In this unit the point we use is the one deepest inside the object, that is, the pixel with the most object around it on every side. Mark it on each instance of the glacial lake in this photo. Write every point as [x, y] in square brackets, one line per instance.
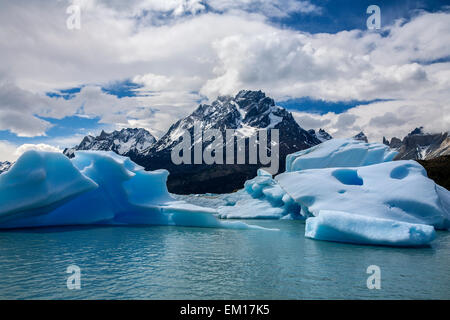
[202, 263]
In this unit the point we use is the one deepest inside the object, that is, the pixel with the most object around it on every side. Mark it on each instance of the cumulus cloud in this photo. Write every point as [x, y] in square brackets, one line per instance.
[10, 152]
[198, 53]
[281, 8]
[7, 151]
[385, 118]
[38, 147]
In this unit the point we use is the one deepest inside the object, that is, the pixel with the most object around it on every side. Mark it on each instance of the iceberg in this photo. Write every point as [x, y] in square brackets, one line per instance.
[336, 153]
[98, 188]
[261, 198]
[37, 183]
[396, 190]
[354, 228]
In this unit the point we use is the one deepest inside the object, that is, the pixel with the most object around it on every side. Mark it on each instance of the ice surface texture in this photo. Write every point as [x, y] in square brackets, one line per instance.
[396, 190]
[339, 153]
[48, 189]
[357, 178]
[354, 228]
[261, 198]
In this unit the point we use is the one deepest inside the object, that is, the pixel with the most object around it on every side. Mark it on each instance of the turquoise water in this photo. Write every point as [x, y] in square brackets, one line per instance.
[200, 263]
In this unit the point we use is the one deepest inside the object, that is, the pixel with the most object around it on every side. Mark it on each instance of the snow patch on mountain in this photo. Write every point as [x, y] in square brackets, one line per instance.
[122, 142]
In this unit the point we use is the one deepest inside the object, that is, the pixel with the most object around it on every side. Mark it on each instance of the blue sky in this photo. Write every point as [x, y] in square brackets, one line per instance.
[148, 63]
[339, 15]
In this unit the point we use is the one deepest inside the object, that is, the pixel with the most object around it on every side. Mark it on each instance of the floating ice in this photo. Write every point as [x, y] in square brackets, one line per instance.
[339, 153]
[261, 198]
[38, 182]
[396, 190]
[47, 189]
[354, 228]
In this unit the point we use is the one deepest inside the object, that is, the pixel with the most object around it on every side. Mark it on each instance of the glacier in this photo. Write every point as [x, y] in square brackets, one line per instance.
[45, 189]
[353, 228]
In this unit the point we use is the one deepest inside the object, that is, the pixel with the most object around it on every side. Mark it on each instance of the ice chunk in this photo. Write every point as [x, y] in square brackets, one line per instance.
[396, 190]
[38, 182]
[355, 228]
[47, 189]
[261, 198]
[339, 153]
[251, 209]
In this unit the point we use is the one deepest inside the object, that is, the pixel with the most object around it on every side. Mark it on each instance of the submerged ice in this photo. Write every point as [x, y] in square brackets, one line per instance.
[48, 189]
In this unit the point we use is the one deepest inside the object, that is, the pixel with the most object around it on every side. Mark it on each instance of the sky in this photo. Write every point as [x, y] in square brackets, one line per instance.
[147, 63]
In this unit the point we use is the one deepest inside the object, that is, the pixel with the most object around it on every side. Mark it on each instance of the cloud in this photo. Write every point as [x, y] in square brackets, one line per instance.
[345, 120]
[310, 122]
[7, 151]
[38, 147]
[10, 152]
[270, 8]
[385, 118]
[183, 52]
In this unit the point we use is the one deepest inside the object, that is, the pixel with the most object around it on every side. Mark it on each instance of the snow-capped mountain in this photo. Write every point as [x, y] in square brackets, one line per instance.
[361, 137]
[126, 142]
[419, 145]
[4, 166]
[247, 112]
[321, 135]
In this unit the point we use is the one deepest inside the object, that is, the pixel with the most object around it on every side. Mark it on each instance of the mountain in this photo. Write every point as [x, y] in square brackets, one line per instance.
[361, 137]
[126, 142]
[321, 135]
[438, 169]
[247, 112]
[4, 166]
[419, 145]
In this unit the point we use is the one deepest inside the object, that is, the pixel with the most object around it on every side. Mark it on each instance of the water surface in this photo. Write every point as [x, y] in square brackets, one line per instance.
[202, 263]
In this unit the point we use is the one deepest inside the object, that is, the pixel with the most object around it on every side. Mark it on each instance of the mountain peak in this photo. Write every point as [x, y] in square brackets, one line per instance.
[419, 145]
[361, 137]
[416, 131]
[246, 113]
[124, 142]
[322, 135]
[4, 166]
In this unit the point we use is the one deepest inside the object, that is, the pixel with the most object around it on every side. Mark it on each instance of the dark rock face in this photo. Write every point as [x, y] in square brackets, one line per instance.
[4, 166]
[438, 169]
[247, 112]
[361, 137]
[395, 143]
[321, 135]
[420, 145]
[126, 142]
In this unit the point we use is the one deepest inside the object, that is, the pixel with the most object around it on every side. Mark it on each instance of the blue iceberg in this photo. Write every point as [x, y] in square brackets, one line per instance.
[396, 190]
[353, 228]
[356, 178]
[261, 198]
[336, 153]
[97, 188]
